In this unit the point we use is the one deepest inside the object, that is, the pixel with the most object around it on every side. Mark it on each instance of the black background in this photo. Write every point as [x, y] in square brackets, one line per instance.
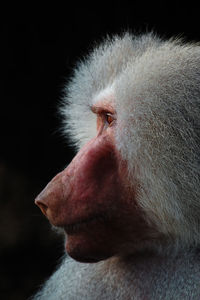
[39, 47]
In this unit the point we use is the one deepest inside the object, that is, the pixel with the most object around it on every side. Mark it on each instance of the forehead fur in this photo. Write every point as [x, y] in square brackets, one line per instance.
[97, 74]
[132, 67]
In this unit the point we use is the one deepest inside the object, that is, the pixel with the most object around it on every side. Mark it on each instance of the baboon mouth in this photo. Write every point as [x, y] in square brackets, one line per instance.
[84, 224]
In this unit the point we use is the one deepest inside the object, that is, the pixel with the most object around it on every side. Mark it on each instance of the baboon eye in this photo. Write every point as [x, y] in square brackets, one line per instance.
[109, 118]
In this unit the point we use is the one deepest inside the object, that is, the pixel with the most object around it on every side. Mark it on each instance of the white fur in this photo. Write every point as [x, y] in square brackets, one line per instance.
[137, 278]
[156, 87]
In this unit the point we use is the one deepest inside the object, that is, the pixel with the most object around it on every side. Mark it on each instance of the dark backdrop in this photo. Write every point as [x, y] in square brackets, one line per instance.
[39, 48]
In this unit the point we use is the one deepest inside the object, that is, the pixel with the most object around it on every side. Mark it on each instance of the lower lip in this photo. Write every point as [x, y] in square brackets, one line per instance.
[84, 224]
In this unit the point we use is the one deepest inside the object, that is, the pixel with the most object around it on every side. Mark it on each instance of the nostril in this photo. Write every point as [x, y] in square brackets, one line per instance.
[42, 206]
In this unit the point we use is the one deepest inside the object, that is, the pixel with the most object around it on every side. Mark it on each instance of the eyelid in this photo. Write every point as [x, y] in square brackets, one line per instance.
[103, 114]
[109, 114]
[103, 110]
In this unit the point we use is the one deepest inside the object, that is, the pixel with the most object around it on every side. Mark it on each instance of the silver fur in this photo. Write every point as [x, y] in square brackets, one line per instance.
[156, 87]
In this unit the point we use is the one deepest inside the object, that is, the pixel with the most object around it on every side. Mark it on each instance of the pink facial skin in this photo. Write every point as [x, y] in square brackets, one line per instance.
[91, 200]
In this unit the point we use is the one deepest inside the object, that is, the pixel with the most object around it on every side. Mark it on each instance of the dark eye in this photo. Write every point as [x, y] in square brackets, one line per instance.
[109, 118]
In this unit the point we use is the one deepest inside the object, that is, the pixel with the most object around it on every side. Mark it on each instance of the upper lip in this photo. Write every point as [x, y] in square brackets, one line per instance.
[84, 223]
